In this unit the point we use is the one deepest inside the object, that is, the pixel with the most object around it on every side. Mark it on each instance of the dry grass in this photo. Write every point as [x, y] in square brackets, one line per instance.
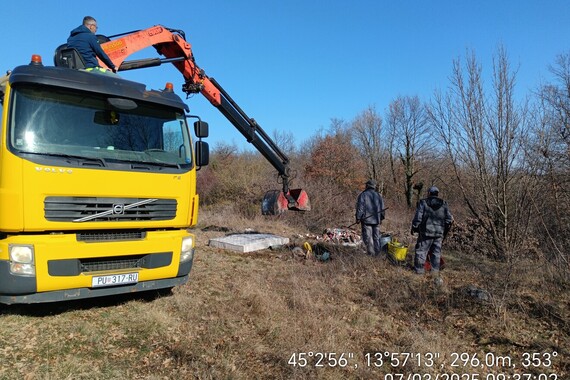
[242, 316]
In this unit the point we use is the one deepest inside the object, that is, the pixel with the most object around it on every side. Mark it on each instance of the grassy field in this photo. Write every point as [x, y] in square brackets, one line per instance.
[275, 315]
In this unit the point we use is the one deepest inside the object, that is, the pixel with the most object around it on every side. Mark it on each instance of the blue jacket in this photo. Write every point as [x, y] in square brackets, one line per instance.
[370, 207]
[88, 47]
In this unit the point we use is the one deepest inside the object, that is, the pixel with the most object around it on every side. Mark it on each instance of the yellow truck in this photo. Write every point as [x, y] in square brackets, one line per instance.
[98, 174]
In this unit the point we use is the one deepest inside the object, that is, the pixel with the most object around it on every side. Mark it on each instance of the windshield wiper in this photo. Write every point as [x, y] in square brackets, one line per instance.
[84, 161]
[154, 163]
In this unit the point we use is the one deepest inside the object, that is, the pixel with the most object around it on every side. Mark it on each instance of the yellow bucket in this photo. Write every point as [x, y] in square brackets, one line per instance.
[397, 250]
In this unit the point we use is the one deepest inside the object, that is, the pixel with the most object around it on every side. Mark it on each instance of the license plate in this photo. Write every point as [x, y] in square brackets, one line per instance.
[115, 279]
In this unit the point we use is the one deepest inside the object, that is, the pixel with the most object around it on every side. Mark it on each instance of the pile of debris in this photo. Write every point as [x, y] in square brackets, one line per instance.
[316, 252]
[321, 249]
[342, 236]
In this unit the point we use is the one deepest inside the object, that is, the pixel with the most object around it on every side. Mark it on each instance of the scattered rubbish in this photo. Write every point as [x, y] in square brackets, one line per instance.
[478, 293]
[308, 249]
[320, 252]
[438, 281]
[343, 236]
[308, 252]
[299, 253]
[325, 256]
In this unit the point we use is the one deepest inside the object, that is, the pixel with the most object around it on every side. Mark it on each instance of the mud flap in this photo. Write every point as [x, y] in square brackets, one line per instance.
[276, 202]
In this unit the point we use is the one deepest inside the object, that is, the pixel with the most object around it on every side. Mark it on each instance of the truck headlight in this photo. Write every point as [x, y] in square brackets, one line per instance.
[22, 259]
[187, 249]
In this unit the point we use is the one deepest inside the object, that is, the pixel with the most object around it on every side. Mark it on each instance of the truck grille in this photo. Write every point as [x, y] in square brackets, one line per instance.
[111, 263]
[74, 267]
[93, 209]
[99, 236]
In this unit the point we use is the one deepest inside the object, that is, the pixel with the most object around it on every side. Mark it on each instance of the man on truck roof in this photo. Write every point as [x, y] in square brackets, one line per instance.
[84, 40]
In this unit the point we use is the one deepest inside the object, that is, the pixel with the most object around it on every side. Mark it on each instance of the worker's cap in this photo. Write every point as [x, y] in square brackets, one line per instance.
[433, 190]
[371, 183]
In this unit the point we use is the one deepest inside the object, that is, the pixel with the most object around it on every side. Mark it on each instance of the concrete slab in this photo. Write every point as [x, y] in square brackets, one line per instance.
[248, 242]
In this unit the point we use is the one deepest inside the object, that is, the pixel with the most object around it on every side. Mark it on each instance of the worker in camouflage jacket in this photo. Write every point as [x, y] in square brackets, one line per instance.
[370, 213]
[432, 221]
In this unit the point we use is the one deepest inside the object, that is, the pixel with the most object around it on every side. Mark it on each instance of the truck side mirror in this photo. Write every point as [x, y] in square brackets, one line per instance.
[201, 129]
[202, 152]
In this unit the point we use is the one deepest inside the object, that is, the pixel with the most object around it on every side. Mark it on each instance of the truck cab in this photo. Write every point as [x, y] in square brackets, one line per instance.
[97, 186]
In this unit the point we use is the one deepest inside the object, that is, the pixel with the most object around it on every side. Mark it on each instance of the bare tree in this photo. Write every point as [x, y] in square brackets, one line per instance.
[483, 135]
[367, 132]
[557, 96]
[407, 121]
[285, 140]
[551, 162]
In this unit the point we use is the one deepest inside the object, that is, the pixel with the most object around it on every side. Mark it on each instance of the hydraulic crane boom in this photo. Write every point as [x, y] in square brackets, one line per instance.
[172, 45]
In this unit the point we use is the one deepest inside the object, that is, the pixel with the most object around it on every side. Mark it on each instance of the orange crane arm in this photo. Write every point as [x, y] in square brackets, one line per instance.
[170, 44]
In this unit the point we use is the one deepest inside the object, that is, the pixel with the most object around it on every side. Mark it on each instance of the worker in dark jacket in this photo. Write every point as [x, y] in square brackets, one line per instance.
[84, 40]
[432, 220]
[370, 213]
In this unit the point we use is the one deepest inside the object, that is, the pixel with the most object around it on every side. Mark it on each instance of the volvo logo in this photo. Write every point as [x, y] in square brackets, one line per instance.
[116, 209]
[45, 169]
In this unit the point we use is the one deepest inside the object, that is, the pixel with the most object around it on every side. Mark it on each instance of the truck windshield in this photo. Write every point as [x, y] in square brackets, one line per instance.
[60, 122]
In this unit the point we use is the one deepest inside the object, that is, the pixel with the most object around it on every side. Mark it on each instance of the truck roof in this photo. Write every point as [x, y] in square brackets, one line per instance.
[106, 84]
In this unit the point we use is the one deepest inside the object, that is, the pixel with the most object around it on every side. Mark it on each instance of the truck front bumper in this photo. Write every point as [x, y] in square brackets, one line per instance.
[22, 289]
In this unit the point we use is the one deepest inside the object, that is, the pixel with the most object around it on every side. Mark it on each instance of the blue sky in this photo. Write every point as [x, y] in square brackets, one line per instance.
[293, 65]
